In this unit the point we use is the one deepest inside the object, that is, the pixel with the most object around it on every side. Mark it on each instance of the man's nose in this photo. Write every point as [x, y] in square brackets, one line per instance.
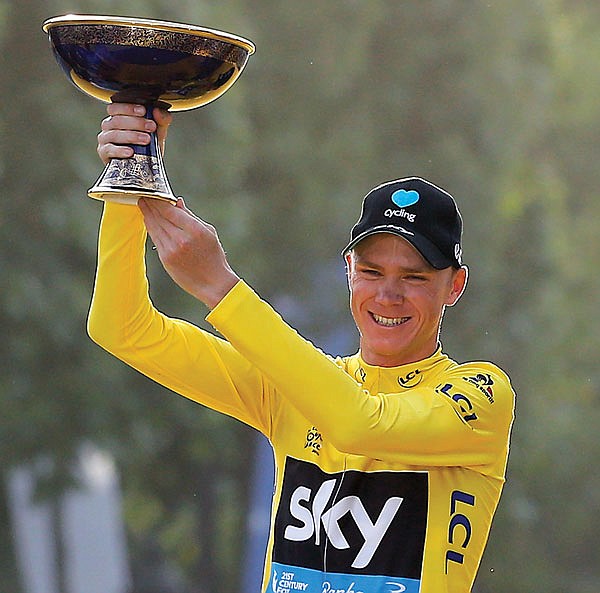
[390, 292]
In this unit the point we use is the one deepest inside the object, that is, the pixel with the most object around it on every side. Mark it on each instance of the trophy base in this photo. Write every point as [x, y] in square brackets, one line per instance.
[127, 180]
[127, 196]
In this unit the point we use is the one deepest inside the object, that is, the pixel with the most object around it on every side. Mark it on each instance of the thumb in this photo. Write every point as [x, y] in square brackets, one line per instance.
[181, 205]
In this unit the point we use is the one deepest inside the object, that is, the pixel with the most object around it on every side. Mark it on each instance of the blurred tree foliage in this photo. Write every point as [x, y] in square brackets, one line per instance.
[495, 101]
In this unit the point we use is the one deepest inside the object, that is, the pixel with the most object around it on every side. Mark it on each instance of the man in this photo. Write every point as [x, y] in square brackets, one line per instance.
[390, 462]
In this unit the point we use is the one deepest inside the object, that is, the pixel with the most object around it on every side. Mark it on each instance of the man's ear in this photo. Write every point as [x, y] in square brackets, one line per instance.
[459, 283]
[348, 258]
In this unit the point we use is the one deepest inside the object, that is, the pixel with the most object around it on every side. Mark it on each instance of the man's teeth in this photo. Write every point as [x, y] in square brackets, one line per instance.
[389, 321]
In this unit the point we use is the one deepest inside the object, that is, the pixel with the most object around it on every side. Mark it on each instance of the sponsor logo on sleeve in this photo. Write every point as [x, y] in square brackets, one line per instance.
[460, 528]
[464, 407]
[483, 382]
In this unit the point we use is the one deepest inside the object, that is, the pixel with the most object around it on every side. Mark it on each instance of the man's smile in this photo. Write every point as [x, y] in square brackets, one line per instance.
[389, 321]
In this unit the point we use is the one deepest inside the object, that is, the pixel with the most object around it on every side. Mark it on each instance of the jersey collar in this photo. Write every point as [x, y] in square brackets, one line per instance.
[399, 378]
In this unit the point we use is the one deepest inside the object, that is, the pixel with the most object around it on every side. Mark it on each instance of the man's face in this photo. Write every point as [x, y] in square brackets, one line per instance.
[397, 299]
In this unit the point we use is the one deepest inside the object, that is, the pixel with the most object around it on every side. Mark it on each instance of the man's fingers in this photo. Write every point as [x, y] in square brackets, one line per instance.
[189, 250]
[173, 215]
[159, 218]
[120, 129]
[127, 122]
[182, 206]
[123, 137]
[162, 117]
[126, 109]
[153, 211]
[113, 144]
[160, 231]
[112, 151]
[175, 221]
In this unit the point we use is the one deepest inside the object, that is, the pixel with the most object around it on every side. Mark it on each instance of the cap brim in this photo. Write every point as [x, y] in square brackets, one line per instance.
[421, 243]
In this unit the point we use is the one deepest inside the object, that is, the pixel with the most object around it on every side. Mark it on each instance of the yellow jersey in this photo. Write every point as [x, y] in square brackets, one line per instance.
[387, 479]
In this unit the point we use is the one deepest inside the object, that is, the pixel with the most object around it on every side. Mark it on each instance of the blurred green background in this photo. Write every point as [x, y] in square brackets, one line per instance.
[496, 101]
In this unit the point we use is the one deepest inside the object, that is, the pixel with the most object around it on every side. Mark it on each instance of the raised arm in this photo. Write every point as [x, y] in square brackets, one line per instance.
[123, 320]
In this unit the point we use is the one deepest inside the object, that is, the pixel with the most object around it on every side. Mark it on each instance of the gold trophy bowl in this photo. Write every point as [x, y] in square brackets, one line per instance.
[154, 63]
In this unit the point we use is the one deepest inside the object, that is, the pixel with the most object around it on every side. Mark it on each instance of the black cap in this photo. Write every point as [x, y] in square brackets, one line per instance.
[418, 211]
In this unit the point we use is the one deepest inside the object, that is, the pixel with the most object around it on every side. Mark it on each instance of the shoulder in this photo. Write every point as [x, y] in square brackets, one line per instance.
[484, 376]
[482, 388]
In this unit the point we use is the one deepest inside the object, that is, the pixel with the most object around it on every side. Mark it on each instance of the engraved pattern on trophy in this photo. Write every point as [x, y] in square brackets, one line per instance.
[157, 39]
[126, 172]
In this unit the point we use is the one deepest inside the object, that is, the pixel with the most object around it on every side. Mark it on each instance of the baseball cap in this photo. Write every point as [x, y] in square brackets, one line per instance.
[418, 211]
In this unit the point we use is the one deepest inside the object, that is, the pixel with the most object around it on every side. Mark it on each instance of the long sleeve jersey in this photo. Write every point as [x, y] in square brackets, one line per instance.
[387, 479]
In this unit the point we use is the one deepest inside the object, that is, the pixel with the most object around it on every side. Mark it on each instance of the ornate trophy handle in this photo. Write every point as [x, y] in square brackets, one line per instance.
[141, 175]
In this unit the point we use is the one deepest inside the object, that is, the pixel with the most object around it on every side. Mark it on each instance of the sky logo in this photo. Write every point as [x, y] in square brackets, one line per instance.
[404, 198]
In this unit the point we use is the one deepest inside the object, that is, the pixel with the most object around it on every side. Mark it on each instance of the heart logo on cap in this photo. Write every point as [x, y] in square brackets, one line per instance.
[403, 198]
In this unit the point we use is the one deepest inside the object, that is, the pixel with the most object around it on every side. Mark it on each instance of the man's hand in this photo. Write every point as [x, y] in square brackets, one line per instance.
[127, 124]
[189, 249]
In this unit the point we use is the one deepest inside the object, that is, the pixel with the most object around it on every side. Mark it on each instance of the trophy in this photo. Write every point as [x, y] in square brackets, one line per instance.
[150, 62]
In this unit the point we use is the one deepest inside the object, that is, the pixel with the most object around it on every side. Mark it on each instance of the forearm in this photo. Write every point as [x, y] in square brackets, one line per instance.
[175, 353]
[120, 293]
[304, 375]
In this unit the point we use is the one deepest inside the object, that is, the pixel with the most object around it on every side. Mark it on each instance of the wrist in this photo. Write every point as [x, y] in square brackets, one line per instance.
[212, 295]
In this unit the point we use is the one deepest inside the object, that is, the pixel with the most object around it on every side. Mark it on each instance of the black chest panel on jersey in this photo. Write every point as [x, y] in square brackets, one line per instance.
[352, 522]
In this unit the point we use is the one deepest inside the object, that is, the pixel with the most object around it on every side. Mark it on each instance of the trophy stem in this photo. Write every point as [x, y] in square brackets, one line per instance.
[141, 176]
